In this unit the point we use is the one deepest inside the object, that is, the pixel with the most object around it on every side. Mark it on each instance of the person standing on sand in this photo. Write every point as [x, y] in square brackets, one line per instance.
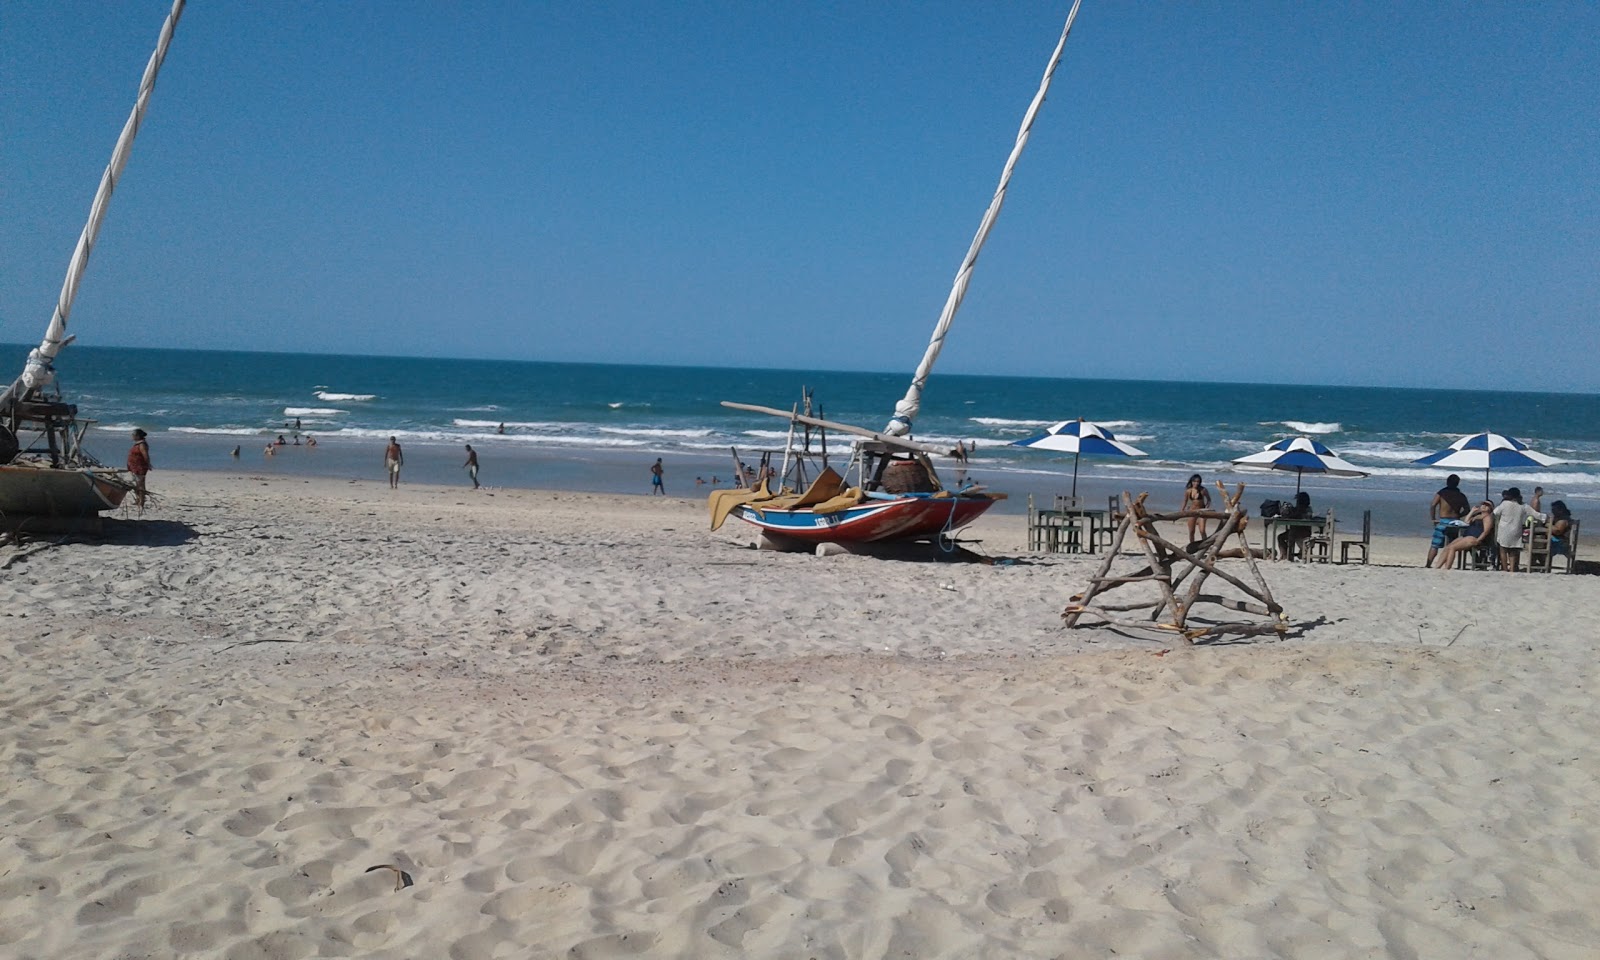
[393, 460]
[1446, 509]
[139, 465]
[1196, 499]
[472, 465]
[1510, 527]
[656, 470]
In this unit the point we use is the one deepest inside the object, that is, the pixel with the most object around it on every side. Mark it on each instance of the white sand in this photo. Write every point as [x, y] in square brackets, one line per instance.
[586, 727]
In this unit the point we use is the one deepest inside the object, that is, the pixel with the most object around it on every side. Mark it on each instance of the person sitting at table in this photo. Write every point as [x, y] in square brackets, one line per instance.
[1478, 531]
[1293, 536]
[1510, 521]
[1560, 529]
[1445, 511]
[1196, 499]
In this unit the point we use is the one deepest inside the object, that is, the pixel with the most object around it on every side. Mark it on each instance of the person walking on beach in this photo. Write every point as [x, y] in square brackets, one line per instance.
[393, 460]
[656, 470]
[139, 465]
[1446, 509]
[472, 465]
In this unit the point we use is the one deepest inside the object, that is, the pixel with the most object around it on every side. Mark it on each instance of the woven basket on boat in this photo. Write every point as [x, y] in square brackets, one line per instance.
[907, 476]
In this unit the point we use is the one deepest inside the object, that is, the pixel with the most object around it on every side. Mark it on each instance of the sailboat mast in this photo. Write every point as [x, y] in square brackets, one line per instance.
[905, 412]
[37, 373]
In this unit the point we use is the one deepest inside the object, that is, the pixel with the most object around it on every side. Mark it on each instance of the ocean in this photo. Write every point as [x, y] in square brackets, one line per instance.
[597, 427]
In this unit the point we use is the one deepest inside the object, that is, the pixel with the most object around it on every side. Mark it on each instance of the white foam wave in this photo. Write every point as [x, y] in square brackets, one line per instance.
[1548, 479]
[450, 436]
[218, 431]
[1002, 422]
[1300, 426]
[615, 406]
[1383, 452]
[656, 432]
[518, 424]
[343, 397]
[312, 412]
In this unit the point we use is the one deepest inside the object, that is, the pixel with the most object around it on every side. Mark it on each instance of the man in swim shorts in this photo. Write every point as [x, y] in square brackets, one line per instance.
[656, 470]
[393, 460]
[1447, 508]
[472, 465]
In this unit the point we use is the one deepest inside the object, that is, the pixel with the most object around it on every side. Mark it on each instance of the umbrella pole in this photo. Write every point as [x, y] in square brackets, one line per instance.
[1486, 483]
[1075, 476]
[1299, 474]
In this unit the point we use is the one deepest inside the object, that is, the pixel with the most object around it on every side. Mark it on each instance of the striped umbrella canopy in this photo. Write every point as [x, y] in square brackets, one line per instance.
[1303, 455]
[1485, 451]
[1079, 437]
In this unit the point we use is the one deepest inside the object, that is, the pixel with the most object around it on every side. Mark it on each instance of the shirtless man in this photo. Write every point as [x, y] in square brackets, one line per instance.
[393, 460]
[1447, 506]
[472, 465]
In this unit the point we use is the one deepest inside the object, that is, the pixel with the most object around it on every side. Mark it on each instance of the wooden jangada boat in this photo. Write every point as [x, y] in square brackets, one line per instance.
[47, 479]
[896, 494]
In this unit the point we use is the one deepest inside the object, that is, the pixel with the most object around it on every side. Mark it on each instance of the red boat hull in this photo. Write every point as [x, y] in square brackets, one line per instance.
[872, 521]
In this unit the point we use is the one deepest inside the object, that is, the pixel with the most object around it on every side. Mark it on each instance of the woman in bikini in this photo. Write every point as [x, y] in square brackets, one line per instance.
[1479, 531]
[1196, 499]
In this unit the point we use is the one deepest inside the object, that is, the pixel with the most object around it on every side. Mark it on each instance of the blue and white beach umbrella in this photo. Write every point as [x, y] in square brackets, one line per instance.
[1303, 455]
[1079, 437]
[1484, 451]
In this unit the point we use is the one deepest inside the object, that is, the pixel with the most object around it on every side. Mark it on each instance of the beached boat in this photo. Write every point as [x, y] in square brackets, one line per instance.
[47, 479]
[894, 493]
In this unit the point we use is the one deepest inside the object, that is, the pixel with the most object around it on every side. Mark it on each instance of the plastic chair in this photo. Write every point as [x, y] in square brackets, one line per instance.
[1345, 546]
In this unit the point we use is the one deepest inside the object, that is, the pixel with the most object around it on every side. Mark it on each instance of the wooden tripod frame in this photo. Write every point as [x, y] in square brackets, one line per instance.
[1170, 612]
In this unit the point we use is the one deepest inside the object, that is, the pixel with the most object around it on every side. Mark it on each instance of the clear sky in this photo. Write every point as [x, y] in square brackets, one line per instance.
[1366, 193]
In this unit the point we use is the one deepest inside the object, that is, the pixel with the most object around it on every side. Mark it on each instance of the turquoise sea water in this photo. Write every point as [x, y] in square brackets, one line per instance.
[597, 427]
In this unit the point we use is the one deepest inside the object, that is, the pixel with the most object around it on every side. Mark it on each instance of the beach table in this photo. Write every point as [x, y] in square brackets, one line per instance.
[1066, 530]
[1271, 527]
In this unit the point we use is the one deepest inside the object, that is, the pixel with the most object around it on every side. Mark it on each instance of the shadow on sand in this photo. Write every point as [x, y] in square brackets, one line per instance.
[146, 533]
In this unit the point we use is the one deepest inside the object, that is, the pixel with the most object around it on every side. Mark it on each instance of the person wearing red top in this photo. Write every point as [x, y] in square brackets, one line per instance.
[139, 465]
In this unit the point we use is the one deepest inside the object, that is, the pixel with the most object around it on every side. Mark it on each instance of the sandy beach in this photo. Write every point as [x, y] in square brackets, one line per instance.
[584, 726]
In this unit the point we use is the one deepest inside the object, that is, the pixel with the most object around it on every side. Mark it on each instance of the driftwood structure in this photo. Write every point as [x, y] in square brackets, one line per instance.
[1180, 574]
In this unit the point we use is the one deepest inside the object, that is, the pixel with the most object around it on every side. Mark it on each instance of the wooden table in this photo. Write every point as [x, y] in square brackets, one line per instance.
[1065, 531]
[1271, 527]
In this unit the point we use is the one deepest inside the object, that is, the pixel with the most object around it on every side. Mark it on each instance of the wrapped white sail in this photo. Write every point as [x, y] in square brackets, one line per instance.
[38, 372]
[905, 412]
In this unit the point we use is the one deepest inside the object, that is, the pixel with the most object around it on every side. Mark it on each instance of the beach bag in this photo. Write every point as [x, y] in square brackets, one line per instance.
[1271, 508]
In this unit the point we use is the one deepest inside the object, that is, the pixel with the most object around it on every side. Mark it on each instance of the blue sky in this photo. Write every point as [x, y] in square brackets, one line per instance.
[1388, 194]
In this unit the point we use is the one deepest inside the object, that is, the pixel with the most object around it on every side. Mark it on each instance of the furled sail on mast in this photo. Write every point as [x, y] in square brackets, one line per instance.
[905, 412]
[38, 373]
